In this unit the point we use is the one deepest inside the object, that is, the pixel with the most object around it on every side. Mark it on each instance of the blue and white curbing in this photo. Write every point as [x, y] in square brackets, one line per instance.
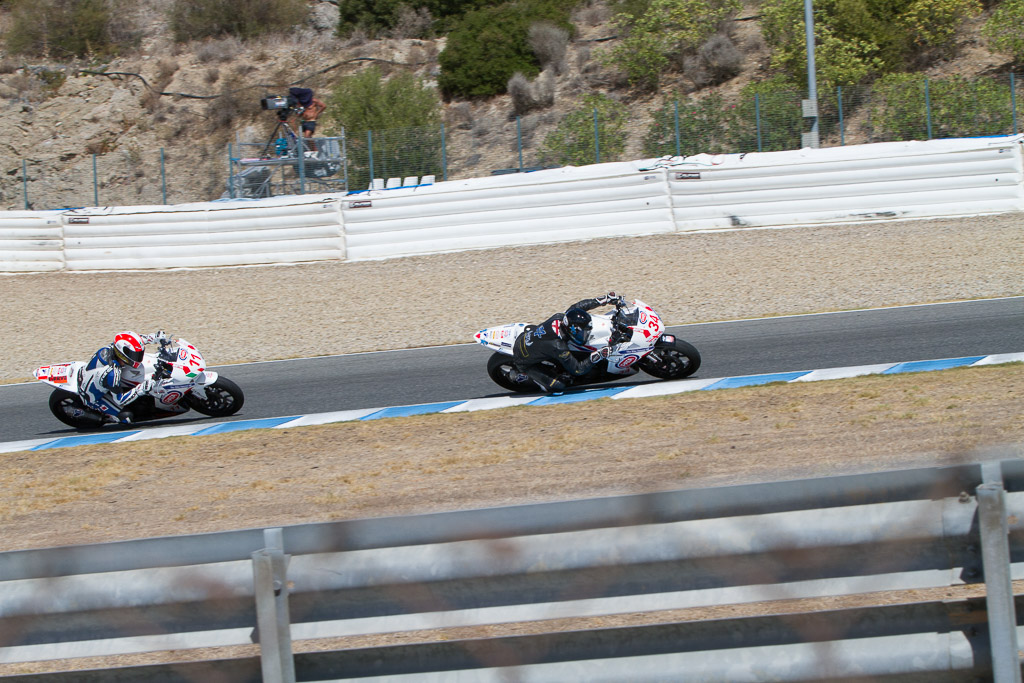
[624, 391]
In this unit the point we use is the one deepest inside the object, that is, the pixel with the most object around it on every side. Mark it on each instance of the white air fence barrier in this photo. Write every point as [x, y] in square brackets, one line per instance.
[31, 241]
[276, 230]
[882, 181]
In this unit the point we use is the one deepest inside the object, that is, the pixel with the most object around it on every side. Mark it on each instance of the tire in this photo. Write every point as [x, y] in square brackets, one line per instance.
[499, 365]
[671, 360]
[69, 409]
[223, 398]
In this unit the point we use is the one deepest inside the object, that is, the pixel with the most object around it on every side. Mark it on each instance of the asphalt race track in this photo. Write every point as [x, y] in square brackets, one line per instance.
[452, 373]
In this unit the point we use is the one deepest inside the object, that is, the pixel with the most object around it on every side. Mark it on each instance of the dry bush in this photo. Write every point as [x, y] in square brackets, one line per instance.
[459, 115]
[527, 96]
[212, 75]
[548, 42]
[356, 38]
[412, 23]
[166, 68]
[218, 50]
[716, 61]
[416, 55]
[592, 14]
[582, 56]
[228, 106]
[8, 66]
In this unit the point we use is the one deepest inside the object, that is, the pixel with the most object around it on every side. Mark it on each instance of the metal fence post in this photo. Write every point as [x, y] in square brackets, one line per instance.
[839, 99]
[1013, 101]
[231, 172]
[95, 184]
[757, 118]
[444, 154]
[678, 142]
[995, 554]
[271, 589]
[597, 144]
[163, 177]
[519, 141]
[928, 107]
[369, 149]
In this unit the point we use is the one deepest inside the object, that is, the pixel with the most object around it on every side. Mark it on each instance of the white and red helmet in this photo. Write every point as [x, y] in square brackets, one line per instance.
[128, 349]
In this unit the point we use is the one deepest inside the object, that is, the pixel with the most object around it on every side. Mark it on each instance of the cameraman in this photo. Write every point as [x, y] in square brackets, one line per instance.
[310, 109]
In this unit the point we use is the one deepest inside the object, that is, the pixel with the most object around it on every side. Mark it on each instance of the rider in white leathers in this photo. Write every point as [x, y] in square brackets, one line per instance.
[115, 376]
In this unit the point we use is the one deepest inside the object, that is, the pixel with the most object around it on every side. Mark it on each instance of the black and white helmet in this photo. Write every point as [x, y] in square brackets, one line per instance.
[577, 324]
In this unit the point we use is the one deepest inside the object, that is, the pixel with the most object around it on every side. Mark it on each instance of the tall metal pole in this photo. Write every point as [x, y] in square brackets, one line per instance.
[163, 177]
[811, 104]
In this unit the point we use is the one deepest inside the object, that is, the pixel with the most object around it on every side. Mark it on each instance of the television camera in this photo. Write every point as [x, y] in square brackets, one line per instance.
[284, 106]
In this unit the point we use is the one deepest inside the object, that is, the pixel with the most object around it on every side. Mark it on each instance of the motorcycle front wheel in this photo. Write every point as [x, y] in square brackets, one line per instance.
[72, 411]
[500, 370]
[223, 398]
[671, 360]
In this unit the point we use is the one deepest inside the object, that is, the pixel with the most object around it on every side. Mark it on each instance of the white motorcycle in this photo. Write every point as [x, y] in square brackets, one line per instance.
[181, 382]
[634, 334]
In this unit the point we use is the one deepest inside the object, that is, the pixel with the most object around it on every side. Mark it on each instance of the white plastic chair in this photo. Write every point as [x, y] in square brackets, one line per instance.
[377, 184]
[410, 181]
[393, 183]
[427, 180]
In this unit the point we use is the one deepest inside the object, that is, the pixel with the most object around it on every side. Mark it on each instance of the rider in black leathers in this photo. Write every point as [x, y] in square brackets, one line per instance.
[549, 341]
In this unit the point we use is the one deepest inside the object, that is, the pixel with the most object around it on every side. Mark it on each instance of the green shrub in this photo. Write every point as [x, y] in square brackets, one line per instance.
[489, 45]
[706, 125]
[193, 19]
[70, 28]
[404, 117]
[856, 40]
[572, 142]
[658, 30]
[366, 101]
[904, 105]
[1003, 28]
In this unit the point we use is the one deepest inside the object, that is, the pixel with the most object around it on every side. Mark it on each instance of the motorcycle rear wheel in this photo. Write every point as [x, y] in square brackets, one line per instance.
[500, 370]
[72, 411]
[223, 398]
[671, 360]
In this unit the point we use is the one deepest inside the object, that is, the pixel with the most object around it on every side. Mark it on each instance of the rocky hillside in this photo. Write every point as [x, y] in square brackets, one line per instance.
[191, 100]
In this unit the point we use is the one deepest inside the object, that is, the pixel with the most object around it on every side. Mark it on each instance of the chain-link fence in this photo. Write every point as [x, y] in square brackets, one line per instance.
[121, 178]
[759, 119]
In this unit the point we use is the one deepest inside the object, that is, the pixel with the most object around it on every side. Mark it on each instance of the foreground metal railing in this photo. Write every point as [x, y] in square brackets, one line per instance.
[815, 538]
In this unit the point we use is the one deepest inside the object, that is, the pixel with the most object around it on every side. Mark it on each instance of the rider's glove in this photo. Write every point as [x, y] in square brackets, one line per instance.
[599, 354]
[606, 298]
[147, 385]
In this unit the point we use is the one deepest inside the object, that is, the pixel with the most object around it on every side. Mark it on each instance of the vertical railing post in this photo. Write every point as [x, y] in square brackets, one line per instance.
[95, 184]
[273, 622]
[444, 154]
[999, 600]
[519, 141]
[231, 173]
[597, 143]
[163, 176]
[839, 99]
[369, 150]
[928, 106]
[757, 118]
[1013, 101]
[301, 150]
[679, 151]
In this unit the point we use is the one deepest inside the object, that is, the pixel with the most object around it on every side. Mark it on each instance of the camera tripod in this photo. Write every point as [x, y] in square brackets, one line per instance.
[292, 142]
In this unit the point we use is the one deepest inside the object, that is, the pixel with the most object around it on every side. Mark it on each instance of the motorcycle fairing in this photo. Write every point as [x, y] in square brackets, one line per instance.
[500, 338]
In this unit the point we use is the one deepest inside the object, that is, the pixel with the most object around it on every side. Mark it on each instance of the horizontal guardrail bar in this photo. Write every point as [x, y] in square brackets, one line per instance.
[442, 527]
[935, 641]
